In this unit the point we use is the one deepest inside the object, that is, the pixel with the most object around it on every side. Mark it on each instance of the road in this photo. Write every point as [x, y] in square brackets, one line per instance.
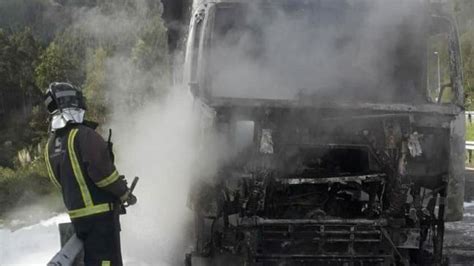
[21, 246]
[459, 238]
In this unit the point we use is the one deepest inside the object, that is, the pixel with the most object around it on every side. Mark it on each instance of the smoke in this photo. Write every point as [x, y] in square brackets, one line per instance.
[269, 56]
[273, 53]
[169, 144]
[354, 50]
[159, 144]
[20, 247]
[156, 132]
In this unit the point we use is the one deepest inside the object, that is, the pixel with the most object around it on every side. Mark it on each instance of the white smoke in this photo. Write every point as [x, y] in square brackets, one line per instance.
[159, 143]
[156, 133]
[351, 50]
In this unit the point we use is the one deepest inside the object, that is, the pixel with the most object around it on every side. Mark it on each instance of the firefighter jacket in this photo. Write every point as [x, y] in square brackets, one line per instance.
[79, 162]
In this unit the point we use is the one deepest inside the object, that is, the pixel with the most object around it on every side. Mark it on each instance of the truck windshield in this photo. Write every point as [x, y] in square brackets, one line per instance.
[329, 50]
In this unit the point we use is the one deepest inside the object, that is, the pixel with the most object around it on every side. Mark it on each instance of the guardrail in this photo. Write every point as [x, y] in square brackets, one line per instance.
[469, 149]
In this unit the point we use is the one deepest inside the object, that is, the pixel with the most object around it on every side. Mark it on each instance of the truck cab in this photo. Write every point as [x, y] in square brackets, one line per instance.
[343, 126]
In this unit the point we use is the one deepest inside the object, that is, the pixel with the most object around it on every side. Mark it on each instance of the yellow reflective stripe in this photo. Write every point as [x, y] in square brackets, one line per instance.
[108, 180]
[89, 210]
[49, 168]
[105, 263]
[86, 196]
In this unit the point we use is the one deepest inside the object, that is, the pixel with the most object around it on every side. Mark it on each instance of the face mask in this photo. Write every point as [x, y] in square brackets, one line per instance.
[67, 115]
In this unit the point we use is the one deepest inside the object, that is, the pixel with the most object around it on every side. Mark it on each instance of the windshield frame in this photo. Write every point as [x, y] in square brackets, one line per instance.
[209, 98]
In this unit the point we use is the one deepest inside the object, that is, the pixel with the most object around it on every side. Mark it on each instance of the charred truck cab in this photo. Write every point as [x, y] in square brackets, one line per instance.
[344, 133]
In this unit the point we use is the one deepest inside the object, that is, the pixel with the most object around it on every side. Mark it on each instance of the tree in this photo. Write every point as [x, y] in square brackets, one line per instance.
[6, 58]
[464, 10]
[55, 65]
[151, 49]
[467, 48]
[26, 49]
[18, 14]
[18, 57]
[19, 53]
[95, 85]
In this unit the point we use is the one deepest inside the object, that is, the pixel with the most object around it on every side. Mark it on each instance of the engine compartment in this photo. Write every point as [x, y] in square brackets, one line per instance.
[300, 183]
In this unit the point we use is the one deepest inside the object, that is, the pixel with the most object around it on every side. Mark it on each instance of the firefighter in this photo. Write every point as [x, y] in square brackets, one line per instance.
[80, 163]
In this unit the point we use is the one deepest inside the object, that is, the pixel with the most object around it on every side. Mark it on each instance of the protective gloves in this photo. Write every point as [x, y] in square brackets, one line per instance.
[131, 200]
[128, 199]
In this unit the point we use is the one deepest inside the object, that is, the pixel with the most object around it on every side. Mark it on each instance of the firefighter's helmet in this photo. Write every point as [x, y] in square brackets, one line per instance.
[65, 103]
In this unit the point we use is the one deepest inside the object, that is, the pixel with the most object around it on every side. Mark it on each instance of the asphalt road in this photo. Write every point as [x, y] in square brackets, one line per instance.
[459, 238]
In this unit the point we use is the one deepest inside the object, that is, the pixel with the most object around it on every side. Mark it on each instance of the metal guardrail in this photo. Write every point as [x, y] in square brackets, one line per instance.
[469, 149]
[469, 145]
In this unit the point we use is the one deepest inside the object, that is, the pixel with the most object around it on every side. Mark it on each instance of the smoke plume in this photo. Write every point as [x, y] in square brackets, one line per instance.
[355, 50]
[155, 131]
[158, 143]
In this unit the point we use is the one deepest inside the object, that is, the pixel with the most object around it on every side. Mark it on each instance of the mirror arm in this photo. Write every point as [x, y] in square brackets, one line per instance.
[441, 92]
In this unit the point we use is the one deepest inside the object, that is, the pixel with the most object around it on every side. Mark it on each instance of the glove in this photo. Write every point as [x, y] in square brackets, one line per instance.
[128, 199]
[131, 200]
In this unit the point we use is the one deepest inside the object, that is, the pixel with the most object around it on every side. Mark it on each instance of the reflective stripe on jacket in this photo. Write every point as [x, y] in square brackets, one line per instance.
[79, 163]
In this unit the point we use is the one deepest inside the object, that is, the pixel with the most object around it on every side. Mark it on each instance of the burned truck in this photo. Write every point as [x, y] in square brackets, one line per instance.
[343, 128]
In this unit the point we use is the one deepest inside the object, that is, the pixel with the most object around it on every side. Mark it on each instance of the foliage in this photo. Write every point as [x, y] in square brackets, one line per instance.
[23, 185]
[41, 16]
[26, 50]
[36, 49]
[19, 52]
[467, 48]
[464, 10]
[151, 49]
[18, 58]
[94, 88]
[470, 132]
[55, 66]
[38, 123]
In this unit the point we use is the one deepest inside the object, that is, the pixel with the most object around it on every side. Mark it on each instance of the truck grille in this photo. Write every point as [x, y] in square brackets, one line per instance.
[339, 243]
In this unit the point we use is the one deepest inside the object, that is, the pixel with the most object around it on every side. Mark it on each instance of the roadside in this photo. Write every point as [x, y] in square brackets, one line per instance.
[459, 238]
[469, 131]
[31, 210]
[31, 245]
[27, 196]
[469, 137]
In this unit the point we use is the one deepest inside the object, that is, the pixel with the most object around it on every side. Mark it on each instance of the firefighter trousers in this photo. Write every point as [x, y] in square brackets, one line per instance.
[101, 237]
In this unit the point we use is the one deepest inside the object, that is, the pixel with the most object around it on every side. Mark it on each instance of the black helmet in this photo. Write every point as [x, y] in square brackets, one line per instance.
[61, 95]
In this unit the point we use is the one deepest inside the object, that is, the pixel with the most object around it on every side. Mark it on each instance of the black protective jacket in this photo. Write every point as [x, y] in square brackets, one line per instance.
[80, 163]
